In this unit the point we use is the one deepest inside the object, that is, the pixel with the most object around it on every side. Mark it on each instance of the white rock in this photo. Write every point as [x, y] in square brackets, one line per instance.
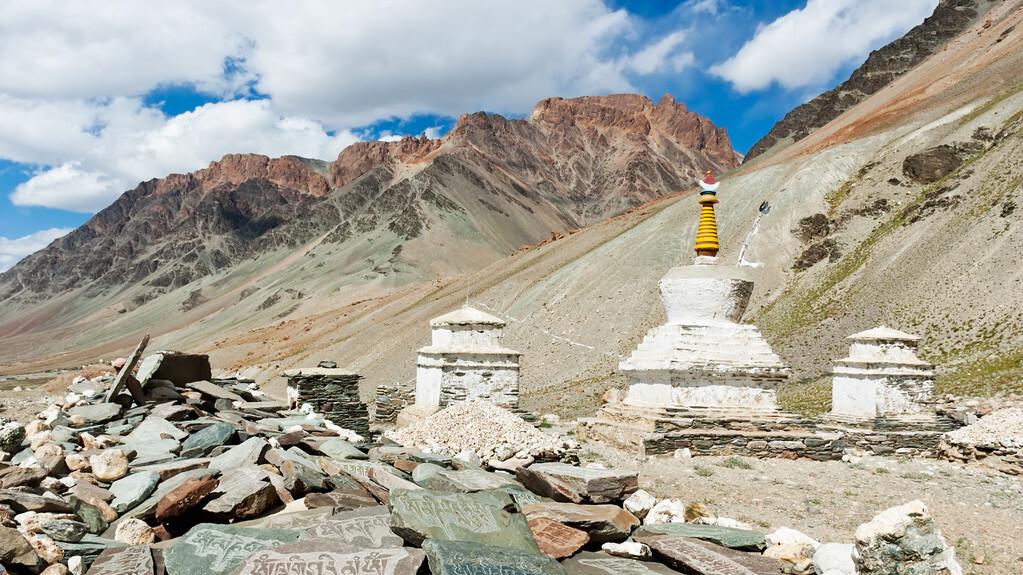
[76, 565]
[683, 453]
[834, 558]
[467, 458]
[733, 523]
[639, 503]
[785, 536]
[132, 531]
[666, 511]
[628, 549]
[109, 464]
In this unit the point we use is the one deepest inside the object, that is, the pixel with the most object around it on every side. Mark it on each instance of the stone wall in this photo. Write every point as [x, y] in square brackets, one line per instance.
[823, 447]
[390, 400]
[336, 396]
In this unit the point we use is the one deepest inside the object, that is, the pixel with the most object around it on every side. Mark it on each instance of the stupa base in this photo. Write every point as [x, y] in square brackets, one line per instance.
[707, 431]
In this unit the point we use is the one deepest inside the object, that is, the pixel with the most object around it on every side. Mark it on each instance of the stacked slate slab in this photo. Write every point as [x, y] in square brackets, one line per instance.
[390, 400]
[333, 392]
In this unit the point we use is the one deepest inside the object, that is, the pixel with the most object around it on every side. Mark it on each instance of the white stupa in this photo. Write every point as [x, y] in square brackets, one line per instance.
[466, 360]
[881, 377]
[702, 356]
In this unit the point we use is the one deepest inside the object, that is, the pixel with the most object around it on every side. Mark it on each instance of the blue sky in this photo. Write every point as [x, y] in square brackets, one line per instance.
[99, 95]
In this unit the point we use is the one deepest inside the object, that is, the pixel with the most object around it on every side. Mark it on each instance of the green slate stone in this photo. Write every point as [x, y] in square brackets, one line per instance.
[211, 549]
[337, 448]
[465, 480]
[465, 558]
[202, 441]
[486, 517]
[89, 548]
[133, 489]
[731, 537]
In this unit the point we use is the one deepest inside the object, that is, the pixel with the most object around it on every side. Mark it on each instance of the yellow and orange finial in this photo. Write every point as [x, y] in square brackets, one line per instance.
[707, 231]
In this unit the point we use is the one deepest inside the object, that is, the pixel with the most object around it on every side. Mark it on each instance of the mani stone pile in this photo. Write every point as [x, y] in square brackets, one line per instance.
[203, 479]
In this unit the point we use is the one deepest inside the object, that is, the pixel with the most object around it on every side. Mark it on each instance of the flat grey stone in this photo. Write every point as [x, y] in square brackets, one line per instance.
[489, 518]
[65, 530]
[465, 558]
[369, 528]
[324, 556]
[133, 489]
[97, 413]
[570, 483]
[249, 452]
[589, 563]
[338, 448]
[131, 560]
[465, 480]
[211, 549]
[89, 548]
[743, 539]
[202, 441]
[154, 428]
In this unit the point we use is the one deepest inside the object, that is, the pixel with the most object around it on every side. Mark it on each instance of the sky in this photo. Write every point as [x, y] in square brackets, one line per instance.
[99, 95]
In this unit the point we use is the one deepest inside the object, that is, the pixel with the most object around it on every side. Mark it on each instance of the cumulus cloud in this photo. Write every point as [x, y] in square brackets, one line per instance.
[98, 151]
[806, 47]
[12, 250]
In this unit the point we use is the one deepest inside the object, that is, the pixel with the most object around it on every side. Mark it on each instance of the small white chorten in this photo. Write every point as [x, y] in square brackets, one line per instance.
[466, 360]
[882, 376]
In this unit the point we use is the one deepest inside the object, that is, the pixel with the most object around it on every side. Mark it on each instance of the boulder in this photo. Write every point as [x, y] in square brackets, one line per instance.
[563, 482]
[20, 502]
[603, 523]
[639, 503]
[490, 518]
[903, 539]
[21, 477]
[133, 531]
[666, 511]
[16, 551]
[65, 530]
[555, 540]
[832, 557]
[109, 464]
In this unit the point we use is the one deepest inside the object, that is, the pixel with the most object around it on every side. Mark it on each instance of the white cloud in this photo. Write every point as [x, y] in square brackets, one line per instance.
[806, 47]
[660, 55]
[13, 250]
[99, 152]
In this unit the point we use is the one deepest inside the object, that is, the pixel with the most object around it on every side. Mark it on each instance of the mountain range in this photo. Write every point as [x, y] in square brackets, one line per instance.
[894, 201]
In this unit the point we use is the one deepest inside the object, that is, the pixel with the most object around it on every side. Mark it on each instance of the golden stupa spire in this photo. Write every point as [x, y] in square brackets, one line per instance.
[707, 231]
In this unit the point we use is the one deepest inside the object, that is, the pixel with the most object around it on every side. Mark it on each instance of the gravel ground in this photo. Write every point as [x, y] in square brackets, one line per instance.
[980, 512]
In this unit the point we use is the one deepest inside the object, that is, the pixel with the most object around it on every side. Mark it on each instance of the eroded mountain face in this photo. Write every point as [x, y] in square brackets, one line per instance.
[490, 185]
[883, 66]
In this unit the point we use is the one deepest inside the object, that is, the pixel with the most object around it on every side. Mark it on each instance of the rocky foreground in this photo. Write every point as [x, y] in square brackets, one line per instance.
[206, 477]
